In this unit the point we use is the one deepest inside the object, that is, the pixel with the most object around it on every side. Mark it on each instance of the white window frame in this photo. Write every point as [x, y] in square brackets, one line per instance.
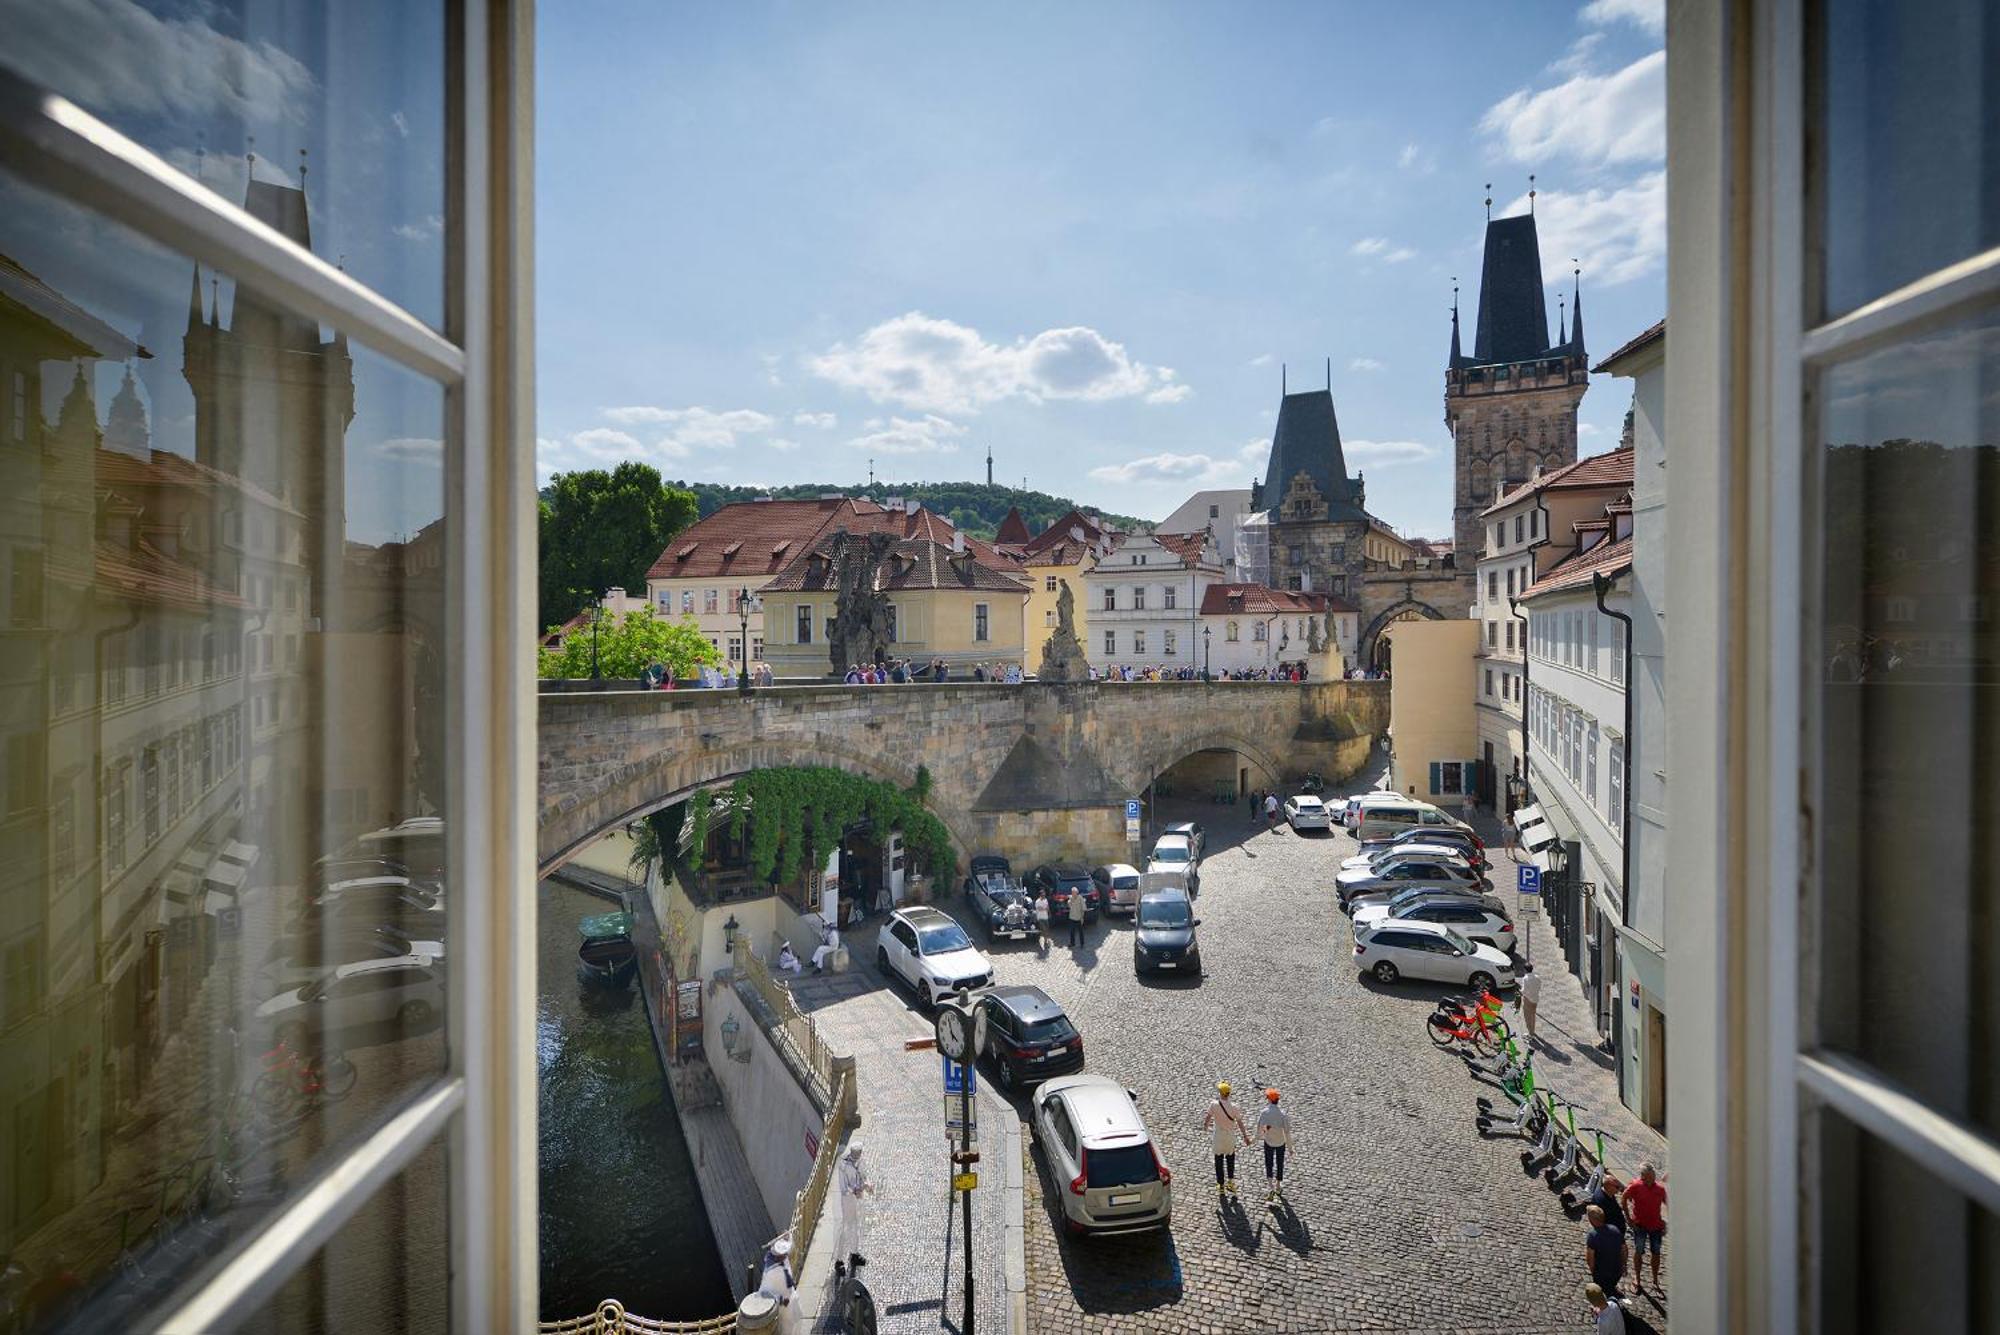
[484, 1103]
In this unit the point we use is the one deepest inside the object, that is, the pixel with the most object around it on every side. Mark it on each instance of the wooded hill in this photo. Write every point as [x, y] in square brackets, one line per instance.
[973, 506]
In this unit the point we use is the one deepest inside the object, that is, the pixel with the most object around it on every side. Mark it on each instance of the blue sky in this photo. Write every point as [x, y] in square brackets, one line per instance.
[778, 240]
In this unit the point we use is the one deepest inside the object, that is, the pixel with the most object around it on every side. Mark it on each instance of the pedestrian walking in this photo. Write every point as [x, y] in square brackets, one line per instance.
[854, 1184]
[1608, 1315]
[1077, 908]
[1042, 916]
[775, 1279]
[1274, 1128]
[1646, 1217]
[1603, 1251]
[1271, 809]
[1529, 993]
[1227, 1125]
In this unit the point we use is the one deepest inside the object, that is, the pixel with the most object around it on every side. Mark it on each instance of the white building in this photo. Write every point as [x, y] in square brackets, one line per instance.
[1642, 935]
[1222, 513]
[1249, 626]
[1576, 743]
[1145, 599]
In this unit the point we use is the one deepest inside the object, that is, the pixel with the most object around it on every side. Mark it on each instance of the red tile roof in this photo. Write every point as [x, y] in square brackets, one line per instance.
[1262, 600]
[147, 575]
[1187, 546]
[115, 468]
[1609, 557]
[913, 563]
[1612, 469]
[1013, 529]
[757, 539]
[1065, 553]
[1092, 529]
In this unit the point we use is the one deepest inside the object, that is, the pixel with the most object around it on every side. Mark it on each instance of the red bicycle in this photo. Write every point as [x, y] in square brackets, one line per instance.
[291, 1080]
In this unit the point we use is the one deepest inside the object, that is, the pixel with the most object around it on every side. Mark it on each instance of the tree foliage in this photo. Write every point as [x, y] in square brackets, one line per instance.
[602, 530]
[972, 506]
[628, 645]
[790, 818]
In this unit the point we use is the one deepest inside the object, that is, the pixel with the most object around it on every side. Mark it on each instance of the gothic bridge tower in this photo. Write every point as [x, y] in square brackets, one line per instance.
[1512, 404]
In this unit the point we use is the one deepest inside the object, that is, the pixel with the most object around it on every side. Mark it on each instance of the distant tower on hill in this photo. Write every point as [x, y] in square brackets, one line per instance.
[989, 465]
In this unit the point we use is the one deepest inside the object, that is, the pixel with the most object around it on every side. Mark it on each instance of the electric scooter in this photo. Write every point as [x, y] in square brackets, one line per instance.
[1570, 1199]
[1564, 1168]
[1545, 1150]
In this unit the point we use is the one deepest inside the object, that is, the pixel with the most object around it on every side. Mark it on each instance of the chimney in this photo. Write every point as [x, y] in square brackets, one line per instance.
[957, 542]
[910, 507]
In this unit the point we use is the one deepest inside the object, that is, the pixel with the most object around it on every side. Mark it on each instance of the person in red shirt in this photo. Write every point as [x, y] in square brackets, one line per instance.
[1646, 1213]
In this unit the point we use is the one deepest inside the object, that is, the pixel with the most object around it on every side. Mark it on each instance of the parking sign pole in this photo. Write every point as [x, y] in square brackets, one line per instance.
[965, 1152]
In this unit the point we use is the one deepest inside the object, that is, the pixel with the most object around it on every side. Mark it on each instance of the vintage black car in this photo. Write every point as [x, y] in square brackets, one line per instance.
[1000, 903]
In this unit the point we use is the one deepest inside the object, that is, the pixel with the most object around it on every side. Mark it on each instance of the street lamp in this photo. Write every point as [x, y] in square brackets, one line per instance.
[596, 616]
[743, 645]
[1206, 631]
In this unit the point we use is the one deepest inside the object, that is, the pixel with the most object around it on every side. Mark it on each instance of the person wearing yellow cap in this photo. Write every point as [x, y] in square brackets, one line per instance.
[1227, 1124]
[1274, 1128]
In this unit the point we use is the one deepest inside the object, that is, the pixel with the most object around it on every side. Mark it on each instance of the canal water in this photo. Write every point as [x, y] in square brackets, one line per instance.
[621, 1213]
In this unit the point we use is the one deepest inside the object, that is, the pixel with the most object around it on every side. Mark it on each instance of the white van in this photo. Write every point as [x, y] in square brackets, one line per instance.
[1386, 820]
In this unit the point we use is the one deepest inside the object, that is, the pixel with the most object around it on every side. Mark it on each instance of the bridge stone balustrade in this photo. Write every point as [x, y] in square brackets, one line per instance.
[1034, 771]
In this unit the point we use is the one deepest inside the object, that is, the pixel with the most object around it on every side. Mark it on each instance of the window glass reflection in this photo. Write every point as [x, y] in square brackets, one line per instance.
[1910, 712]
[260, 99]
[223, 900]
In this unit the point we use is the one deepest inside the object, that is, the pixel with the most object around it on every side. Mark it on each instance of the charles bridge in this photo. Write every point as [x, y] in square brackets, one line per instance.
[1032, 771]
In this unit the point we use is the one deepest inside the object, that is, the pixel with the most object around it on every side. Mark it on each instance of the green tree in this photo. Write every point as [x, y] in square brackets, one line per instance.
[628, 645]
[600, 530]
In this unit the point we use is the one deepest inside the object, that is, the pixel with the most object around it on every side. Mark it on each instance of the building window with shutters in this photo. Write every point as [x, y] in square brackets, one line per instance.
[980, 617]
[803, 624]
[1110, 644]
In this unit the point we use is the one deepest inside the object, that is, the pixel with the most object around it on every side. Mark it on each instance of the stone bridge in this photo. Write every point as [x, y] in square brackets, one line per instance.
[1035, 771]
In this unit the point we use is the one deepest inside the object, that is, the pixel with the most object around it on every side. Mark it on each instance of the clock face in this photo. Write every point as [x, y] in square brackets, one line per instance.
[951, 1033]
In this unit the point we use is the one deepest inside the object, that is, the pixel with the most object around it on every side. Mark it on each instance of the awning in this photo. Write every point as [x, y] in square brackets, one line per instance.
[1527, 815]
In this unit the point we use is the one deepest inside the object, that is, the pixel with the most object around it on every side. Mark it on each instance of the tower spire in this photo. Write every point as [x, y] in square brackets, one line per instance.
[1283, 389]
[214, 302]
[1562, 328]
[1457, 357]
[1489, 201]
[195, 317]
[1531, 194]
[1576, 308]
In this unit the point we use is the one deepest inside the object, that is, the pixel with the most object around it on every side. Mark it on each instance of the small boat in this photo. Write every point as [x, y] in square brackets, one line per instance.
[608, 961]
[607, 956]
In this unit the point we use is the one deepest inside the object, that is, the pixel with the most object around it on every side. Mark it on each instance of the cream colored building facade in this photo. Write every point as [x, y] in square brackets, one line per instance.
[1432, 731]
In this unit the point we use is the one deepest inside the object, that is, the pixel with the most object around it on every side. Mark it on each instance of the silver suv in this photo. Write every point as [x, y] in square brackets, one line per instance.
[1106, 1170]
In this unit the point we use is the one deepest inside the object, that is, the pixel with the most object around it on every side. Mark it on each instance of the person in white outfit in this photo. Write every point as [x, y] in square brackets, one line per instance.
[854, 1184]
[776, 1282]
[788, 960]
[829, 941]
[1274, 1128]
[1227, 1124]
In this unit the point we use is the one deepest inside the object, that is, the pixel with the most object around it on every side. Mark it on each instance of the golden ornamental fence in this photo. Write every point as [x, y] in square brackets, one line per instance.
[811, 1199]
[611, 1318]
[797, 1038]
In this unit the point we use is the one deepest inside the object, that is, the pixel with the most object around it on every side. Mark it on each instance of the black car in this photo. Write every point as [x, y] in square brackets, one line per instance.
[1001, 905]
[1163, 934]
[1058, 880]
[1028, 1037]
[988, 862]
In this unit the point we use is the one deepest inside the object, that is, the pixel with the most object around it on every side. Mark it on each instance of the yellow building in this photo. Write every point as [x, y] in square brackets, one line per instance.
[1433, 731]
[947, 602]
[1065, 550]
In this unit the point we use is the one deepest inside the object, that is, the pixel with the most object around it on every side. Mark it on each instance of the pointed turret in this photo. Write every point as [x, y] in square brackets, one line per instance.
[1513, 323]
[1575, 344]
[1457, 357]
[125, 427]
[195, 316]
[76, 420]
[1013, 529]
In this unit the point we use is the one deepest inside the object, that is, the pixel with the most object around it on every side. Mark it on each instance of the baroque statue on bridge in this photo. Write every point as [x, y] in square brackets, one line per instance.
[1062, 652]
[861, 613]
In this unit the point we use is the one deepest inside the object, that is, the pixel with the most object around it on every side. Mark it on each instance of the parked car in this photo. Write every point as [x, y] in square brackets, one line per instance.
[405, 989]
[1106, 1170]
[929, 951]
[1400, 875]
[1196, 836]
[1001, 905]
[1306, 812]
[293, 961]
[1028, 1037]
[1383, 821]
[1058, 880]
[332, 892]
[1163, 934]
[389, 905]
[343, 867]
[988, 862]
[1483, 920]
[1450, 836]
[1117, 887]
[1336, 811]
[1361, 801]
[1390, 854]
[1431, 951]
[1171, 865]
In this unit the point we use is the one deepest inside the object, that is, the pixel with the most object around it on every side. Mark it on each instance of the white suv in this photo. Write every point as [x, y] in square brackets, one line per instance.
[1398, 948]
[1306, 812]
[931, 952]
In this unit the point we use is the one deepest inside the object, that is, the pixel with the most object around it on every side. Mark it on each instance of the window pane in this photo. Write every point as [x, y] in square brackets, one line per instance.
[1910, 713]
[1898, 1248]
[346, 100]
[388, 1269]
[235, 668]
[1904, 187]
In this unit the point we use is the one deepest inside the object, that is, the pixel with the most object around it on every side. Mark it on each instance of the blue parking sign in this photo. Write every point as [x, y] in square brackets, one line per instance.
[1530, 880]
[958, 1076]
[1131, 808]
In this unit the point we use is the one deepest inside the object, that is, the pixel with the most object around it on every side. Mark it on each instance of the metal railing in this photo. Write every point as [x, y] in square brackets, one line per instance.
[811, 1198]
[794, 1034]
[611, 1318]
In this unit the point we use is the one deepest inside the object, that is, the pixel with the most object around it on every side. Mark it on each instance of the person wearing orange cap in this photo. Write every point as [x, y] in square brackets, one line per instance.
[1274, 1128]
[1227, 1124]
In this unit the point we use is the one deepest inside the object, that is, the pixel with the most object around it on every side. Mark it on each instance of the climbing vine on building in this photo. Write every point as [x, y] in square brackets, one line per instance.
[791, 818]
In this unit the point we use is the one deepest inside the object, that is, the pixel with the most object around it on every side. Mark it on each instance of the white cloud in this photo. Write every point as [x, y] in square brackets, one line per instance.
[1650, 15]
[936, 365]
[1381, 248]
[929, 434]
[824, 421]
[1577, 59]
[780, 444]
[401, 122]
[1261, 359]
[413, 449]
[771, 376]
[432, 226]
[1184, 469]
[1617, 234]
[1364, 364]
[113, 56]
[1408, 157]
[1586, 428]
[1416, 158]
[693, 429]
[1593, 119]
[1386, 453]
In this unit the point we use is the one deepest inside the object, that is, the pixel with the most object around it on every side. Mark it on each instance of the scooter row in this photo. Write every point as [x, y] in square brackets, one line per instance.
[1558, 1148]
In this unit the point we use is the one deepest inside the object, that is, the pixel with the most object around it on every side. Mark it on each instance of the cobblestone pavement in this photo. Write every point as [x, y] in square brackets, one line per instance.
[1400, 1216]
[916, 1286]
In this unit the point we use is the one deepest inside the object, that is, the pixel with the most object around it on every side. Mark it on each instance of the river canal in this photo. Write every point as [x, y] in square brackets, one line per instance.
[621, 1216]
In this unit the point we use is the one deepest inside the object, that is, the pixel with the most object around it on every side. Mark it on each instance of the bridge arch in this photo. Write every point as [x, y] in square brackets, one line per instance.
[1372, 650]
[1163, 755]
[660, 781]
